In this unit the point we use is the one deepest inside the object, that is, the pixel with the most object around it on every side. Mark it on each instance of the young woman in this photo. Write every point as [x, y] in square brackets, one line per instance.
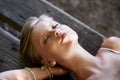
[51, 43]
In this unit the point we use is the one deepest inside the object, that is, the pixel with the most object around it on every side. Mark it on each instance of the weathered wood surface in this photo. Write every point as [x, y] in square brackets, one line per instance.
[9, 55]
[101, 15]
[15, 12]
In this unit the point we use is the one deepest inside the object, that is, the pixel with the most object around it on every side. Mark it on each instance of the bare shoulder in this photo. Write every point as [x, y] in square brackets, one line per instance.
[110, 66]
[103, 51]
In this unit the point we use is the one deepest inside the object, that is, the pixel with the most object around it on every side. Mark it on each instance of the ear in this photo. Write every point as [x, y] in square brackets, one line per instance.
[49, 63]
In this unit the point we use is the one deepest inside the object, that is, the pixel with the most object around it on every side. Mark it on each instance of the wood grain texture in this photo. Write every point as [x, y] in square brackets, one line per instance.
[15, 12]
[9, 56]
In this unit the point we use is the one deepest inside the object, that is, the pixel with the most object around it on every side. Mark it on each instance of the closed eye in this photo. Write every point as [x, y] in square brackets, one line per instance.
[46, 39]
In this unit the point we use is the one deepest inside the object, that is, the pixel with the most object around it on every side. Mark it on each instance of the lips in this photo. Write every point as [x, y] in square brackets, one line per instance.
[63, 37]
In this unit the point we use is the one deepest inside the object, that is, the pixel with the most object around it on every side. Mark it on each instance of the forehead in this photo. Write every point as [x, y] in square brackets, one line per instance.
[45, 24]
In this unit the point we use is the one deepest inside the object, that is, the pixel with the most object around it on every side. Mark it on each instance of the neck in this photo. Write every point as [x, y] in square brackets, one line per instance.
[80, 62]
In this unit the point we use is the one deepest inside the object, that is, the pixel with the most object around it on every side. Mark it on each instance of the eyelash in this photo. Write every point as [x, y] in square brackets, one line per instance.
[46, 39]
[54, 26]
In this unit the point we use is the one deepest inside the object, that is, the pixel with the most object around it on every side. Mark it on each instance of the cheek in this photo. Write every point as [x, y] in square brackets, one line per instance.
[52, 47]
[56, 51]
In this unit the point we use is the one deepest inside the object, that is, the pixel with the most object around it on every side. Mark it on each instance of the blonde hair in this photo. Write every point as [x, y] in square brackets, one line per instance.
[29, 54]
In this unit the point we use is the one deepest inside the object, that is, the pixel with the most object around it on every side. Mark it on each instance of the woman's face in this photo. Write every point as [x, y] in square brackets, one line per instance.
[52, 39]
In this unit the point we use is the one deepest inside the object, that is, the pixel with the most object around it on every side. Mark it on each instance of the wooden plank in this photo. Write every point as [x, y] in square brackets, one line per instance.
[8, 40]
[9, 56]
[7, 61]
[9, 36]
[15, 12]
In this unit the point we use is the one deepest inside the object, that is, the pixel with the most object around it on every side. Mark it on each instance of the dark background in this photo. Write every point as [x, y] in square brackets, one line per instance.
[102, 15]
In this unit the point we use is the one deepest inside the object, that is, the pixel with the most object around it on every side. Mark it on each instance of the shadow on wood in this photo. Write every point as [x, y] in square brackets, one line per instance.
[15, 12]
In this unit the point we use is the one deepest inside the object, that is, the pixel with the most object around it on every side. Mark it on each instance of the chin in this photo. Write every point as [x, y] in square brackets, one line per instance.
[74, 37]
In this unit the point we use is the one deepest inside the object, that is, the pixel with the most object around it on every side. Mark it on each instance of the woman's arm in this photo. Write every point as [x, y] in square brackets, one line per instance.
[24, 74]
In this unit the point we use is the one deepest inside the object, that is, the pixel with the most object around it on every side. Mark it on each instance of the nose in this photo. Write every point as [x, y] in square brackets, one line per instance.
[55, 33]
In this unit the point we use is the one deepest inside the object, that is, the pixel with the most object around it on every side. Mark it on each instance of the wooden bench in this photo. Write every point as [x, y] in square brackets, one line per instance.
[15, 12]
